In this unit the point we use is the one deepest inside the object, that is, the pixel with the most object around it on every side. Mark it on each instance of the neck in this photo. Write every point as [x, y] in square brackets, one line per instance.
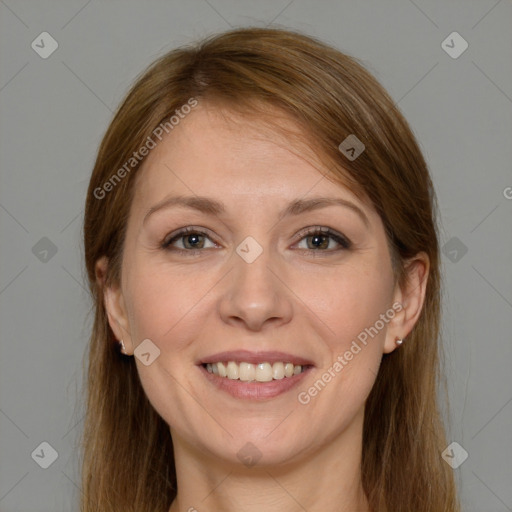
[328, 478]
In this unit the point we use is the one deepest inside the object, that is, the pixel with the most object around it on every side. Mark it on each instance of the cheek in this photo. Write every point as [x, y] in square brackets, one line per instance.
[355, 308]
[352, 307]
[164, 303]
[348, 301]
[362, 323]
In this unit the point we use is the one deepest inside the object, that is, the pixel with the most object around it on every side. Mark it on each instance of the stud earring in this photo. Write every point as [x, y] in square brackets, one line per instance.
[399, 341]
[123, 348]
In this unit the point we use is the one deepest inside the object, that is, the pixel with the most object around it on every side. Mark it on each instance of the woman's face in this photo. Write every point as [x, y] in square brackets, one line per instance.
[254, 281]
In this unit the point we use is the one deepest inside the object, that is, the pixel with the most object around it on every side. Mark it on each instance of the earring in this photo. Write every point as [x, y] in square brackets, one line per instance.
[399, 341]
[123, 348]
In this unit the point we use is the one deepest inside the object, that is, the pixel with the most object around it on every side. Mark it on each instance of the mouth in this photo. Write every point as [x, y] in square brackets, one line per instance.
[262, 375]
[249, 372]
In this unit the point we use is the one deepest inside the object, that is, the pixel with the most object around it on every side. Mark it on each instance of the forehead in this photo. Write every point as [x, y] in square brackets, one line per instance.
[220, 152]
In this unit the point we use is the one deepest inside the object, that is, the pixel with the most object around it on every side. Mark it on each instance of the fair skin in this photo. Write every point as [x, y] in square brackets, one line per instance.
[303, 295]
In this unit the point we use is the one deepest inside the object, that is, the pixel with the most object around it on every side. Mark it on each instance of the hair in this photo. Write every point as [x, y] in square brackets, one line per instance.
[127, 461]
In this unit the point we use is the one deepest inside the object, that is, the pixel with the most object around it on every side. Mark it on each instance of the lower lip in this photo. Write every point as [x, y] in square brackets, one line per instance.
[254, 390]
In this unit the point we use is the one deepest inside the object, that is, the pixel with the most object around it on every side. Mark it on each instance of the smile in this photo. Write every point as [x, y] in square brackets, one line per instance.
[262, 375]
[248, 372]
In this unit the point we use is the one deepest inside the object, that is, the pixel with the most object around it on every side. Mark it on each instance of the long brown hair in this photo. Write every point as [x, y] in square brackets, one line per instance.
[127, 447]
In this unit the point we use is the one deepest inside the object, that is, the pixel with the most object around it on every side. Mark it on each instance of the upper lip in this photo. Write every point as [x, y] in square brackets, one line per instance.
[247, 356]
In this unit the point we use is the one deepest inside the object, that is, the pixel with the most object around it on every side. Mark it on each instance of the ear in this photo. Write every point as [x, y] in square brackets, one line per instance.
[411, 297]
[114, 306]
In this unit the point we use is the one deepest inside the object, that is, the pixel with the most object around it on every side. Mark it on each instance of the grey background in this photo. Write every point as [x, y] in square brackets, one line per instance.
[54, 112]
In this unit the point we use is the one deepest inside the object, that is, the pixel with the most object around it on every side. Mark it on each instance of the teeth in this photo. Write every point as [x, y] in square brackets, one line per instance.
[221, 368]
[264, 372]
[278, 371]
[232, 370]
[248, 372]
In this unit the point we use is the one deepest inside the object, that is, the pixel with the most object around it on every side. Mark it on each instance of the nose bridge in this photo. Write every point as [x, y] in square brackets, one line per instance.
[255, 294]
[252, 274]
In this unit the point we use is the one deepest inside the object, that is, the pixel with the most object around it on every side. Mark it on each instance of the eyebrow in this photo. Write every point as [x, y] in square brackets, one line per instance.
[213, 207]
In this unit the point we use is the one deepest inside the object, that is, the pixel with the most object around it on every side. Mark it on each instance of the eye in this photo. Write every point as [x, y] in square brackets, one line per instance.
[192, 239]
[320, 239]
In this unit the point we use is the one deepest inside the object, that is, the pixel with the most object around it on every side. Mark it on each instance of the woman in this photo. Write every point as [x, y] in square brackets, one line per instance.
[260, 241]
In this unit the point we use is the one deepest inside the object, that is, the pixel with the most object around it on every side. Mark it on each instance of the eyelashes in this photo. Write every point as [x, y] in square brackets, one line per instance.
[183, 233]
[192, 237]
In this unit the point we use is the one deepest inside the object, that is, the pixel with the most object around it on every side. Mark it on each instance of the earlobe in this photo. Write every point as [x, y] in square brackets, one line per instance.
[411, 298]
[114, 306]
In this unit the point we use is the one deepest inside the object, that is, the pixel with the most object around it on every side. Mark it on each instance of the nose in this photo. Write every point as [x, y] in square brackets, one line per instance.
[255, 294]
